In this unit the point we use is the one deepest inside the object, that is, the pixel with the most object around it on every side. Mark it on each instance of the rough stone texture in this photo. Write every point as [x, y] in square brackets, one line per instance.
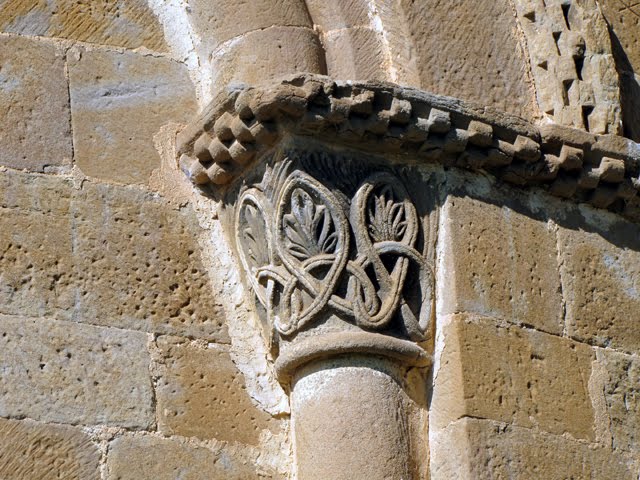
[623, 18]
[513, 375]
[622, 397]
[68, 373]
[201, 393]
[457, 53]
[572, 63]
[226, 19]
[29, 450]
[263, 55]
[107, 255]
[153, 458]
[138, 265]
[502, 264]
[123, 23]
[355, 54]
[119, 101]
[490, 450]
[34, 105]
[601, 283]
[338, 14]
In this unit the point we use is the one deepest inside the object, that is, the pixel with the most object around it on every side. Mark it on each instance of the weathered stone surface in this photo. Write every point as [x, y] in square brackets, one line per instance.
[154, 458]
[64, 372]
[350, 422]
[231, 18]
[106, 255]
[356, 54]
[29, 450]
[624, 23]
[123, 23]
[513, 375]
[337, 14]
[458, 54]
[501, 263]
[490, 450]
[119, 101]
[34, 104]
[622, 397]
[138, 265]
[601, 284]
[36, 263]
[263, 55]
[201, 393]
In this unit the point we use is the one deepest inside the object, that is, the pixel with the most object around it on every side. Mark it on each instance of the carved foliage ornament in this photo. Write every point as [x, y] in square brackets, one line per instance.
[306, 251]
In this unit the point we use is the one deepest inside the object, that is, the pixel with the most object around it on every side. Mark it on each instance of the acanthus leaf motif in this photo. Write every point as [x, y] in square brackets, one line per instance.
[387, 217]
[309, 227]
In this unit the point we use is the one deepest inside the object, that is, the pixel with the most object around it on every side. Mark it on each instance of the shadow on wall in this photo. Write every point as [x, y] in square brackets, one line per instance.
[629, 89]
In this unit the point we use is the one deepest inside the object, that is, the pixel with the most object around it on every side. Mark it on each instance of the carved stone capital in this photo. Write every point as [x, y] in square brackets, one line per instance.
[330, 247]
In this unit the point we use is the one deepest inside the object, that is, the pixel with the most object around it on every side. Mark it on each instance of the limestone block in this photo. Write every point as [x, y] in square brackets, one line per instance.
[119, 101]
[601, 284]
[58, 371]
[201, 393]
[29, 450]
[138, 265]
[458, 55]
[338, 14]
[513, 375]
[123, 23]
[36, 263]
[501, 263]
[263, 55]
[34, 104]
[105, 255]
[622, 397]
[490, 450]
[154, 458]
[226, 19]
[355, 54]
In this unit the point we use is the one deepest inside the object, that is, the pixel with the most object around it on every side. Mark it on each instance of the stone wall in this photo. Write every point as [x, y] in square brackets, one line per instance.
[128, 349]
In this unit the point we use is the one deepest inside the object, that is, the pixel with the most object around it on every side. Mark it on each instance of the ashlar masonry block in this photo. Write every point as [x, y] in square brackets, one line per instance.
[63, 372]
[513, 375]
[35, 121]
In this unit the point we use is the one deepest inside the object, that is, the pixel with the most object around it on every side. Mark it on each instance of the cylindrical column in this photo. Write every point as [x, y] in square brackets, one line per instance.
[350, 421]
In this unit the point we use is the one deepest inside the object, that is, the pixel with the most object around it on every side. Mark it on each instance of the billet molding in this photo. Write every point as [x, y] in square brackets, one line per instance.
[415, 127]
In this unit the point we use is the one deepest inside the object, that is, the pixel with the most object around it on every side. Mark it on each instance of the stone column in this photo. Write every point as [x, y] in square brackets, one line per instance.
[324, 190]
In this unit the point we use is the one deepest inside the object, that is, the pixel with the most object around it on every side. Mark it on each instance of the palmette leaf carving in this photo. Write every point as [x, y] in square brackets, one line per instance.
[298, 260]
[309, 228]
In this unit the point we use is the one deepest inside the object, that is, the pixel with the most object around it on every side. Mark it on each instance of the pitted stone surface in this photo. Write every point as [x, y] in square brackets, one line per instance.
[202, 394]
[119, 101]
[123, 23]
[64, 372]
[34, 104]
[489, 450]
[30, 450]
[622, 396]
[470, 50]
[601, 283]
[503, 263]
[107, 255]
[155, 458]
[513, 375]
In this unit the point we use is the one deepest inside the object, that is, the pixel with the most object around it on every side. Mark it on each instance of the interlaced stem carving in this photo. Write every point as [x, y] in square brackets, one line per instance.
[315, 254]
